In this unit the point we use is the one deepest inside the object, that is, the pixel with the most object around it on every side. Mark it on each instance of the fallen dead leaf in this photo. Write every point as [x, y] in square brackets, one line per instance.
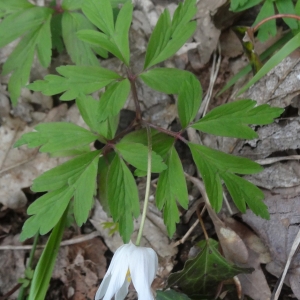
[280, 231]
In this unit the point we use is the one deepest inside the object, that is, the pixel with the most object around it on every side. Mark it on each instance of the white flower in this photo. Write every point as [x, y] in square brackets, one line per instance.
[130, 262]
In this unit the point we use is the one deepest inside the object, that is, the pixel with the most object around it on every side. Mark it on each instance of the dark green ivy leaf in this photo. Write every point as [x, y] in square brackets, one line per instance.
[74, 81]
[55, 138]
[122, 197]
[170, 295]
[201, 275]
[171, 186]
[232, 119]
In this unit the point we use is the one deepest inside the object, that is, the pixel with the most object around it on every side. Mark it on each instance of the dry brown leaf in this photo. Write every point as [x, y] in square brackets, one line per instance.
[280, 231]
[11, 266]
[80, 267]
[254, 284]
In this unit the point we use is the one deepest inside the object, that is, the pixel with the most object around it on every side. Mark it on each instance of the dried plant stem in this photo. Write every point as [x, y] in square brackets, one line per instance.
[73, 241]
[255, 28]
[199, 215]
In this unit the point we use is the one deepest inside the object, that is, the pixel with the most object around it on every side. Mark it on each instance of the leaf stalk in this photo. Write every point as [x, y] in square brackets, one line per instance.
[147, 192]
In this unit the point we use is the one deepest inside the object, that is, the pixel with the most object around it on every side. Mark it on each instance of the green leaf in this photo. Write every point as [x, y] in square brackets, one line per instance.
[20, 67]
[287, 7]
[72, 4]
[28, 20]
[213, 164]
[88, 108]
[113, 99]
[74, 178]
[65, 174]
[10, 6]
[100, 14]
[244, 192]
[171, 186]
[121, 31]
[80, 52]
[85, 188]
[161, 143]
[136, 154]
[170, 295]
[168, 37]
[44, 44]
[56, 33]
[47, 210]
[201, 275]
[99, 39]
[166, 80]
[122, 197]
[269, 28]
[103, 184]
[240, 5]
[43, 271]
[189, 100]
[277, 58]
[75, 80]
[56, 137]
[232, 119]
[20, 61]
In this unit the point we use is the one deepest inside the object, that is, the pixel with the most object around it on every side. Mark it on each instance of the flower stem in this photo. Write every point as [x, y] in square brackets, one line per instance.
[147, 192]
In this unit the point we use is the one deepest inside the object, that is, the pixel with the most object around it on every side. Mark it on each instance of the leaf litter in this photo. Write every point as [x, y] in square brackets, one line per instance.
[280, 180]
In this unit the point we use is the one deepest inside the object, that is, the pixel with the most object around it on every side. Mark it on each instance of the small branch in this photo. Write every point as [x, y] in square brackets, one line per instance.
[176, 135]
[76, 240]
[255, 28]
[199, 215]
[14, 289]
[132, 79]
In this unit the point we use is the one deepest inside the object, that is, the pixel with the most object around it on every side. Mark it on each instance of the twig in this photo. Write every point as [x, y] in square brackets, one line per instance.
[199, 215]
[294, 247]
[76, 240]
[188, 233]
[14, 289]
[271, 160]
[213, 77]
[227, 204]
[184, 238]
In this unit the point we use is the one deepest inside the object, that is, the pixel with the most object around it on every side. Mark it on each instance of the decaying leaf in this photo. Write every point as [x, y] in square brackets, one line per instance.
[280, 231]
[202, 274]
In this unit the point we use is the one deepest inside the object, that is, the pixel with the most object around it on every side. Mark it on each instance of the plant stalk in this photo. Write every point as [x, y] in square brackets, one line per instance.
[147, 192]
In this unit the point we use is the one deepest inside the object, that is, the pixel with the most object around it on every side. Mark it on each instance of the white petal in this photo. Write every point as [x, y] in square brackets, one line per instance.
[121, 294]
[116, 274]
[103, 287]
[143, 265]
